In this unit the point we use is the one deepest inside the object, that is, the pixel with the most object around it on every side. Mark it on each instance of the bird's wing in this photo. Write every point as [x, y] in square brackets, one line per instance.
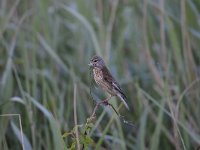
[107, 76]
[120, 93]
[114, 85]
[111, 80]
[117, 87]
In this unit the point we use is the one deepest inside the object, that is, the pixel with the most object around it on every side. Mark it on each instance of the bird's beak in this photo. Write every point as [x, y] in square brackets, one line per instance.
[90, 64]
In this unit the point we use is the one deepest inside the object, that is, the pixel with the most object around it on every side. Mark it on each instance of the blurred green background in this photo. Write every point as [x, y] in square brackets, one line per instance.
[150, 46]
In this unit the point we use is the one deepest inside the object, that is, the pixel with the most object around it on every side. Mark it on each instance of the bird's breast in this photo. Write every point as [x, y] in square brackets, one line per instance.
[98, 75]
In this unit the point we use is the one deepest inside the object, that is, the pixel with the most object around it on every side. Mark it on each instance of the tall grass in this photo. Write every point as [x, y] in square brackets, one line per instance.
[150, 46]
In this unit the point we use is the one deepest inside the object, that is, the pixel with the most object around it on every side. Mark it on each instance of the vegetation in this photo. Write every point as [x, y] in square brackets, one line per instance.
[47, 92]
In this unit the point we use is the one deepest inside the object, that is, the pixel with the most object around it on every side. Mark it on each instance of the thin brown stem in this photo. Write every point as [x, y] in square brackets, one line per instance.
[75, 117]
[105, 102]
[149, 59]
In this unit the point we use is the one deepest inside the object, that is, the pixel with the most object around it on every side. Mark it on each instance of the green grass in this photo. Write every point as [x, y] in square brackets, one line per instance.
[151, 48]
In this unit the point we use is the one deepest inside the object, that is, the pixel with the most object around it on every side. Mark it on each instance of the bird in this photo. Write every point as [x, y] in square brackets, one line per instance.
[105, 80]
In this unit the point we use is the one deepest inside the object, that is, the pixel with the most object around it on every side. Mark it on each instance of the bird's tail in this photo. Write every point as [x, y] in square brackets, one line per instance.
[123, 99]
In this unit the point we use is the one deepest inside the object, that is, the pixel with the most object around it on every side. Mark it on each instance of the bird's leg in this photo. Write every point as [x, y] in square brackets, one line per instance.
[105, 102]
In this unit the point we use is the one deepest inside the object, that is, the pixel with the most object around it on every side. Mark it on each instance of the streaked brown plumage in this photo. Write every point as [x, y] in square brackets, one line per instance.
[105, 80]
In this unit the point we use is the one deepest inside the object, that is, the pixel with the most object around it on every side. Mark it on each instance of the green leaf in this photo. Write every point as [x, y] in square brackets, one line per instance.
[73, 146]
[86, 140]
[66, 134]
[58, 140]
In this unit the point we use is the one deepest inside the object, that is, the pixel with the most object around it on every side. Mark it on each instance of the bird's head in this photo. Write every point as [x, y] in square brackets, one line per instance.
[97, 62]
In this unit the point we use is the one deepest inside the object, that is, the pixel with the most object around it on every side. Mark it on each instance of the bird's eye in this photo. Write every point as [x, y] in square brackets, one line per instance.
[95, 60]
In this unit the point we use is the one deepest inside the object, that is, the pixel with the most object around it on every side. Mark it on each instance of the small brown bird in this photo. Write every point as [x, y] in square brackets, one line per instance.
[105, 80]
